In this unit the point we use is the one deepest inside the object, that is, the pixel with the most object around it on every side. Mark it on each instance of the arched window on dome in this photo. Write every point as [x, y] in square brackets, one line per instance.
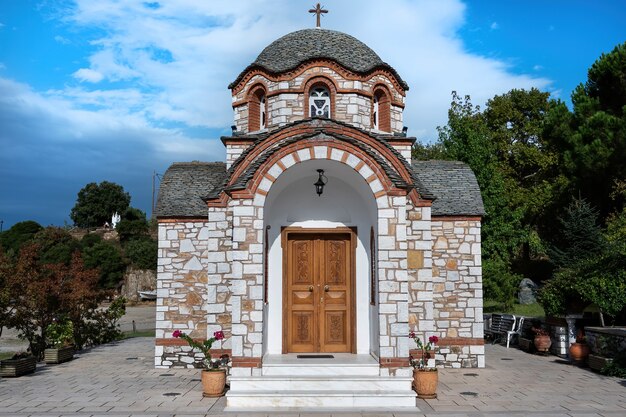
[381, 110]
[257, 109]
[263, 118]
[319, 102]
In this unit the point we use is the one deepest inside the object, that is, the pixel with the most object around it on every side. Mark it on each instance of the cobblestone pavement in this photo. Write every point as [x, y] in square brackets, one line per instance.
[119, 380]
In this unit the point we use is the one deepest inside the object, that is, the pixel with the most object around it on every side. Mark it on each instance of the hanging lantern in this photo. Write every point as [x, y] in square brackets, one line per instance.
[321, 182]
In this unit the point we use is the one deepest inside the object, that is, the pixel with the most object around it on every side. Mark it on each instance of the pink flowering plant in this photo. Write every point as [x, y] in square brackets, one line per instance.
[205, 347]
[430, 346]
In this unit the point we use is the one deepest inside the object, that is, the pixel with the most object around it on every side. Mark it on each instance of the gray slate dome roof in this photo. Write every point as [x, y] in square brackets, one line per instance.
[295, 48]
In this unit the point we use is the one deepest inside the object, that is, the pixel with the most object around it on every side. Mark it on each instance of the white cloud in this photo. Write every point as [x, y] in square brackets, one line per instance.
[537, 67]
[86, 74]
[62, 40]
[494, 26]
[181, 56]
[2, 66]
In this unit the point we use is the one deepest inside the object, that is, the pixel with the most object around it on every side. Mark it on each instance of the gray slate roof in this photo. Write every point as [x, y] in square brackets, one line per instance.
[186, 184]
[454, 186]
[183, 186]
[295, 48]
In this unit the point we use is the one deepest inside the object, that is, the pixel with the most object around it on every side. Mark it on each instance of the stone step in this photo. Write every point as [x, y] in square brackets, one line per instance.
[403, 400]
[320, 383]
[329, 370]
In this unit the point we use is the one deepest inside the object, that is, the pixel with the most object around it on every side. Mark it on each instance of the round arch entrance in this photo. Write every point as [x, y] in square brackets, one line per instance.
[345, 212]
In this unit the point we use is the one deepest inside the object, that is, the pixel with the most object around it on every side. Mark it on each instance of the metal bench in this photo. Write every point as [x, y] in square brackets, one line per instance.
[499, 327]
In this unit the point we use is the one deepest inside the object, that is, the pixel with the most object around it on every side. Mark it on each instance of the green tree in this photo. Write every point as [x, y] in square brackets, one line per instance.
[133, 225]
[595, 151]
[142, 253]
[581, 235]
[107, 259]
[96, 203]
[20, 233]
[56, 245]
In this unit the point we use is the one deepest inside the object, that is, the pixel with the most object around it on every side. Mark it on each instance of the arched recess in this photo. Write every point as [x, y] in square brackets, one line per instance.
[348, 201]
[312, 88]
[257, 108]
[381, 108]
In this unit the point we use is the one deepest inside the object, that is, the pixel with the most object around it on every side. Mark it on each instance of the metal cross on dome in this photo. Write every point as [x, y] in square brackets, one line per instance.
[319, 10]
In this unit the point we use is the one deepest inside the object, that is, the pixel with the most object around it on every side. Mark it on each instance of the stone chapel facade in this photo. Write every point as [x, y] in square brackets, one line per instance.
[390, 245]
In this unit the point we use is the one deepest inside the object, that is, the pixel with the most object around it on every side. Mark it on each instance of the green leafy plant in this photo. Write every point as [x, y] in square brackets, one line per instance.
[60, 333]
[205, 347]
[421, 363]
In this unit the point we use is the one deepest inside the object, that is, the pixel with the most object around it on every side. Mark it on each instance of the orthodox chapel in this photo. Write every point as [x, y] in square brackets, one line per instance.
[319, 244]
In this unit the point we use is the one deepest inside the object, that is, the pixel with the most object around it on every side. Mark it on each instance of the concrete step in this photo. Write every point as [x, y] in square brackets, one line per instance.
[286, 383]
[372, 400]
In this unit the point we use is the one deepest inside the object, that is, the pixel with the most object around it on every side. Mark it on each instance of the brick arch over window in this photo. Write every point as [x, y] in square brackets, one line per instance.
[381, 108]
[257, 108]
[378, 182]
[318, 81]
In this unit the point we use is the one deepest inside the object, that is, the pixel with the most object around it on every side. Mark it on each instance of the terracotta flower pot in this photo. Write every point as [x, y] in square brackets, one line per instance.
[425, 383]
[578, 351]
[213, 382]
[542, 343]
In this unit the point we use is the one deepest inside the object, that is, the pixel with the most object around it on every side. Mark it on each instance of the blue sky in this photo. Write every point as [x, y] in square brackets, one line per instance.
[94, 90]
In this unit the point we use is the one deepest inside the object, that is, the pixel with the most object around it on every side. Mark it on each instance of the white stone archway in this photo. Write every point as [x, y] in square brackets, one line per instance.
[347, 201]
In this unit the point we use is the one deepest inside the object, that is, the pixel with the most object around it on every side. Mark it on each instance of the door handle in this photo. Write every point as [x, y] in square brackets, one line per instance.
[310, 288]
[326, 288]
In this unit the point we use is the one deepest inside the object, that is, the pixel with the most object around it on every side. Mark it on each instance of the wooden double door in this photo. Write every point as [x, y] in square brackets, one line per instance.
[318, 291]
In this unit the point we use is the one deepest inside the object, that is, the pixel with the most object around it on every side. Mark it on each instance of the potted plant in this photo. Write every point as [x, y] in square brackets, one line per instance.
[425, 378]
[542, 339]
[578, 351]
[59, 346]
[213, 372]
[20, 364]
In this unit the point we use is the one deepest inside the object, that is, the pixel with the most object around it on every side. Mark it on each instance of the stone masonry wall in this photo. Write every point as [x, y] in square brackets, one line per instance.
[419, 237]
[457, 291]
[233, 151]
[246, 285]
[181, 284]
[288, 105]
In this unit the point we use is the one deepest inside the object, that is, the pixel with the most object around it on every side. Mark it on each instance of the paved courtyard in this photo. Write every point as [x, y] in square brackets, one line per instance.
[119, 380]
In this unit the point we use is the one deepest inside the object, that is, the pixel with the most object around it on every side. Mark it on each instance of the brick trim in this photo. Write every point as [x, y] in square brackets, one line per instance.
[461, 341]
[331, 129]
[165, 220]
[319, 80]
[330, 144]
[339, 69]
[173, 341]
[246, 362]
[394, 362]
[254, 95]
[456, 218]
